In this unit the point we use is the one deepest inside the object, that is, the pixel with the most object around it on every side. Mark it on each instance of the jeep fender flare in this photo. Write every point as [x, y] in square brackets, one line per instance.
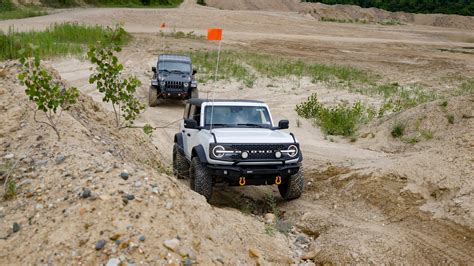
[198, 151]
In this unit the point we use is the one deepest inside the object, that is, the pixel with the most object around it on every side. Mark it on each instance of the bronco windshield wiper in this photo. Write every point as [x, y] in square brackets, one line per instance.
[252, 125]
[220, 125]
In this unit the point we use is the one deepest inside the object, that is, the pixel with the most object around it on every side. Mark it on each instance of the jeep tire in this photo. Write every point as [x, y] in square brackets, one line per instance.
[180, 164]
[194, 93]
[292, 188]
[200, 179]
[153, 96]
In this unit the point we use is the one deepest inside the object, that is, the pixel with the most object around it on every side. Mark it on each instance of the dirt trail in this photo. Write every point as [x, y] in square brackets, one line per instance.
[363, 202]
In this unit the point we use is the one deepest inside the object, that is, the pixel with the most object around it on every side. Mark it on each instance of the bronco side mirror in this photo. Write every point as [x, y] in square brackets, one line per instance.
[190, 123]
[284, 124]
[153, 69]
[194, 72]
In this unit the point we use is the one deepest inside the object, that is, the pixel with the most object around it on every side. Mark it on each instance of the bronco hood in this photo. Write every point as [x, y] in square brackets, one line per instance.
[251, 135]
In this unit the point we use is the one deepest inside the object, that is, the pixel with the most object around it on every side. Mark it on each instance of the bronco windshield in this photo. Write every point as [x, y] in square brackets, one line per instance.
[171, 66]
[237, 116]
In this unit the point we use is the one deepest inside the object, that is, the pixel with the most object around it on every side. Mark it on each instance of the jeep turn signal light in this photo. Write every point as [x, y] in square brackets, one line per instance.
[242, 181]
[278, 180]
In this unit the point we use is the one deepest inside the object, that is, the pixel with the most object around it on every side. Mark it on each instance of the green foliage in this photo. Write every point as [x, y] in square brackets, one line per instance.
[398, 130]
[461, 7]
[59, 3]
[10, 11]
[201, 2]
[148, 129]
[467, 87]
[135, 3]
[109, 80]
[48, 94]
[10, 190]
[342, 119]
[450, 118]
[57, 39]
[444, 103]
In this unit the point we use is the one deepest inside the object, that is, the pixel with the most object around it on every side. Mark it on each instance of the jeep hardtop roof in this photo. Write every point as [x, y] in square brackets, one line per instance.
[199, 102]
[174, 57]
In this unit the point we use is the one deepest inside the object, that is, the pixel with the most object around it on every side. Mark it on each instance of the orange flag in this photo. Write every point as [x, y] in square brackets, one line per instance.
[163, 25]
[214, 34]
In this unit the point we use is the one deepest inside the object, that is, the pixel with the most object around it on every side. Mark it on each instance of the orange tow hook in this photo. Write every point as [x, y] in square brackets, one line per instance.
[278, 180]
[242, 181]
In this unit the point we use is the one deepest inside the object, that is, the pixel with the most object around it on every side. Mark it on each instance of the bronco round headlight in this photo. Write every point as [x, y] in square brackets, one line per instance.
[292, 151]
[244, 155]
[218, 151]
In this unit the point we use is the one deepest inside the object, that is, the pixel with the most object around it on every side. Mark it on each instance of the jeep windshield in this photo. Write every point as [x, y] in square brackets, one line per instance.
[237, 116]
[174, 66]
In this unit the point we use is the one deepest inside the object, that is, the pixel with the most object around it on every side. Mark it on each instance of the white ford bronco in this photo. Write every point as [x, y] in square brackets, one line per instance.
[235, 141]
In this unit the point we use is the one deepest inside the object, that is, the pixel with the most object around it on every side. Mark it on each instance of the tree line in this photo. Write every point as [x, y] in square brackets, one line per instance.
[460, 7]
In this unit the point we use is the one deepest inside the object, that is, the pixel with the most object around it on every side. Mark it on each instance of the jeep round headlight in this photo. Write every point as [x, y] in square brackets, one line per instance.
[244, 155]
[163, 83]
[292, 151]
[186, 84]
[218, 151]
[278, 155]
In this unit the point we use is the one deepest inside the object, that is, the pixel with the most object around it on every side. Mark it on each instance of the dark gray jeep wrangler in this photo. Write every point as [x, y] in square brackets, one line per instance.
[173, 77]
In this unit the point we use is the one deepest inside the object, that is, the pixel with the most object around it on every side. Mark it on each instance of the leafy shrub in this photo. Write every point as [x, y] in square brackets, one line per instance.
[48, 94]
[201, 2]
[398, 130]
[342, 119]
[108, 77]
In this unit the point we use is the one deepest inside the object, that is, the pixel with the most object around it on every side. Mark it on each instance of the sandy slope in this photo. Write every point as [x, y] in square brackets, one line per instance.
[376, 201]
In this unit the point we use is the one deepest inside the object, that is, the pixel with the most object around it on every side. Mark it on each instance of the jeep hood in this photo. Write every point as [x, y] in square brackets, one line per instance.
[251, 135]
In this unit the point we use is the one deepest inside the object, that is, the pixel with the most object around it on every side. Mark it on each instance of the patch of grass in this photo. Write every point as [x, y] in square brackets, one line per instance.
[56, 40]
[183, 35]
[10, 190]
[342, 119]
[467, 87]
[270, 229]
[444, 103]
[10, 11]
[59, 3]
[412, 140]
[427, 134]
[134, 3]
[329, 19]
[450, 118]
[390, 22]
[398, 130]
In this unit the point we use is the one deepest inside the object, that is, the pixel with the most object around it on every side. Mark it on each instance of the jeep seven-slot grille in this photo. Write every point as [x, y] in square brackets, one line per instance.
[174, 85]
[257, 151]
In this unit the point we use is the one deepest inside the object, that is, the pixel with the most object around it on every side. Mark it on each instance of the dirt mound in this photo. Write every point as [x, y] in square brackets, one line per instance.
[435, 152]
[347, 13]
[71, 200]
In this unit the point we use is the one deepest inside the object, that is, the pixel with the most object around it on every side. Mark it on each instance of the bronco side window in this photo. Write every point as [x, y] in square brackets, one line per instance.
[195, 113]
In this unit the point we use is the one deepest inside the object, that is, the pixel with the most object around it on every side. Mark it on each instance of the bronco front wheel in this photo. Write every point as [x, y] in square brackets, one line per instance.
[293, 187]
[200, 178]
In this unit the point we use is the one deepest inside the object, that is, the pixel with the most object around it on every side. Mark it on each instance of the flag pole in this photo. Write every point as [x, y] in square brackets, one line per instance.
[215, 80]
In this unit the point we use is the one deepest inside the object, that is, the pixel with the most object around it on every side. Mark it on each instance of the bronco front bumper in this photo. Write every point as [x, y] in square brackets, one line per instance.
[254, 174]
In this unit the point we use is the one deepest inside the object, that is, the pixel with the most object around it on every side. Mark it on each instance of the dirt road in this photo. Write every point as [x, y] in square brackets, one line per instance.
[357, 206]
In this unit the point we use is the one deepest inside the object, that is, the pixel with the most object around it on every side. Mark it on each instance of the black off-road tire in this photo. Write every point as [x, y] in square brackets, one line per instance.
[153, 96]
[194, 93]
[200, 178]
[180, 164]
[293, 187]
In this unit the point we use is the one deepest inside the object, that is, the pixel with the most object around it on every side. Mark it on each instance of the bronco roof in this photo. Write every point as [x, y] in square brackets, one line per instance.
[199, 102]
[174, 57]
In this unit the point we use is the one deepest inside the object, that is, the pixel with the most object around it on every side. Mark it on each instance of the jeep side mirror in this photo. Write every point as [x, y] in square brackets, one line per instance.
[284, 124]
[153, 69]
[190, 123]
[194, 72]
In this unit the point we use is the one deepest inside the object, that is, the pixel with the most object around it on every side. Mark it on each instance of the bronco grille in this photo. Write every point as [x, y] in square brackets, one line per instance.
[257, 151]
